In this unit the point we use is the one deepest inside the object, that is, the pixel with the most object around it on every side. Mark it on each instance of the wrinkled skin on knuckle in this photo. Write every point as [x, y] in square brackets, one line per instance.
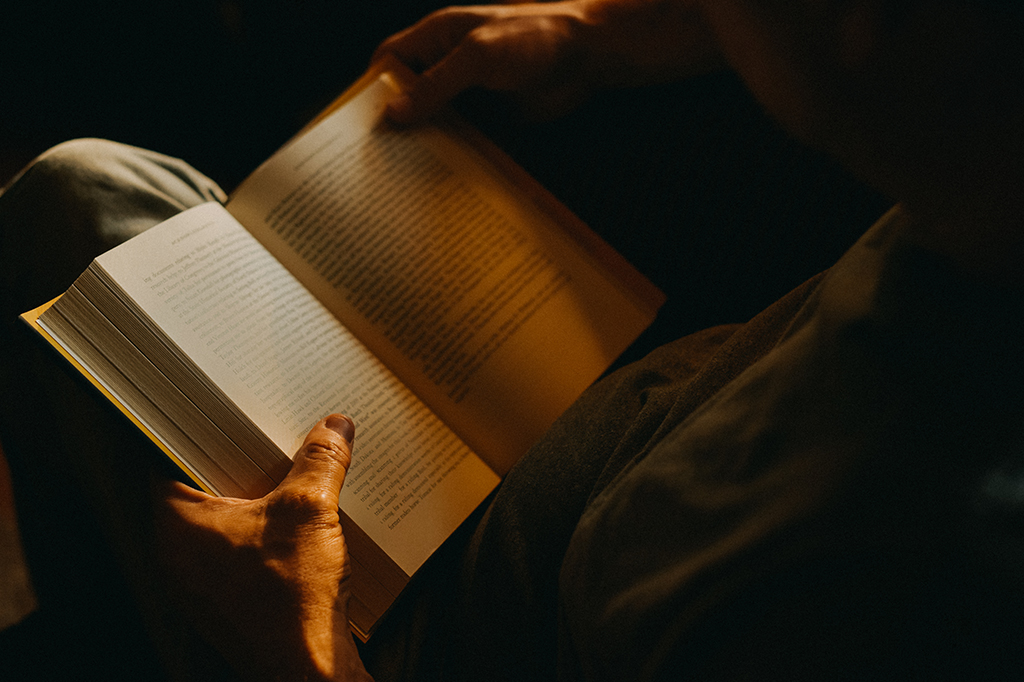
[289, 514]
[329, 453]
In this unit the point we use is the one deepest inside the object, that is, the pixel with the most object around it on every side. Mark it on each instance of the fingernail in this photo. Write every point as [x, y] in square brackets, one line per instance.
[342, 426]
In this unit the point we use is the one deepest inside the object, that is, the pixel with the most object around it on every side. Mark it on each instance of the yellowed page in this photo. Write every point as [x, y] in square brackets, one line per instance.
[458, 281]
[278, 356]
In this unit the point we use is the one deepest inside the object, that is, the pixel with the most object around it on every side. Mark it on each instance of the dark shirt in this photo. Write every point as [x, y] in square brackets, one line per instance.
[833, 490]
[849, 506]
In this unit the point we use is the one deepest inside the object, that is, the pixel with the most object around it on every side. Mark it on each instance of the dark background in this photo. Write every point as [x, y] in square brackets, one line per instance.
[220, 83]
[691, 182]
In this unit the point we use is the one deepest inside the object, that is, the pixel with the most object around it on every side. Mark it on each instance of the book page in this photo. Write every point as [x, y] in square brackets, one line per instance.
[285, 362]
[457, 280]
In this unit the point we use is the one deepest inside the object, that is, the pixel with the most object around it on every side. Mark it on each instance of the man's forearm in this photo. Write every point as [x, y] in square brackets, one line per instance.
[636, 42]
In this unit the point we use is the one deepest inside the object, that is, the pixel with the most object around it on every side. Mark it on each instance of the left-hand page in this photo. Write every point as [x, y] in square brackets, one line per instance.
[247, 344]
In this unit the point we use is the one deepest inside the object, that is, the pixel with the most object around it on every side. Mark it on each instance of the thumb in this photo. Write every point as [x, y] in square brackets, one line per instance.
[321, 463]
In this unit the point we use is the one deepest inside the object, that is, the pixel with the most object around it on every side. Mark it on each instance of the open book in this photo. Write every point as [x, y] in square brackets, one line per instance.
[413, 279]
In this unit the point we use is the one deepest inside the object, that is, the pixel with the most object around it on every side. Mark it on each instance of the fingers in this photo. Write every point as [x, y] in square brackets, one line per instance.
[175, 492]
[441, 47]
[537, 51]
[438, 85]
[174, 501]
[426, 42]
[321, 463]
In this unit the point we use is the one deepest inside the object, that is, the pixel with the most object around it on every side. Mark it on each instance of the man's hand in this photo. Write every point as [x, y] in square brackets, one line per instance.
[266, 580]
[550, 55]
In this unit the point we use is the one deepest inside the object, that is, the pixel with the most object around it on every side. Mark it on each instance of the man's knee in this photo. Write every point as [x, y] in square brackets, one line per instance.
[92, 171]
[109, 190]
[87, 154]
[81, 198]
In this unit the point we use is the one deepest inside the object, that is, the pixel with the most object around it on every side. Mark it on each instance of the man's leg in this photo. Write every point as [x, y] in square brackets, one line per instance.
[76, 201]
[81, 475]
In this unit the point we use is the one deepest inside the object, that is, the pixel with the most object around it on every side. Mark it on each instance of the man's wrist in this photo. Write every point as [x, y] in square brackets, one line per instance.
[331, 650]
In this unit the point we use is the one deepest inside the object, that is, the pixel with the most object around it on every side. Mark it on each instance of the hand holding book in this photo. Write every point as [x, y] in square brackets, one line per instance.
[549, 55]
[288, 548]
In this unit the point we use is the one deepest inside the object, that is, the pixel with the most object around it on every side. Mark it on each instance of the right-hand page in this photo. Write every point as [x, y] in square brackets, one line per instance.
[488, 300]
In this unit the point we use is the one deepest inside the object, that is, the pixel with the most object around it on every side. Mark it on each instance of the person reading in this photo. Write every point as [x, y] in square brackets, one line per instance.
[830, 490]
